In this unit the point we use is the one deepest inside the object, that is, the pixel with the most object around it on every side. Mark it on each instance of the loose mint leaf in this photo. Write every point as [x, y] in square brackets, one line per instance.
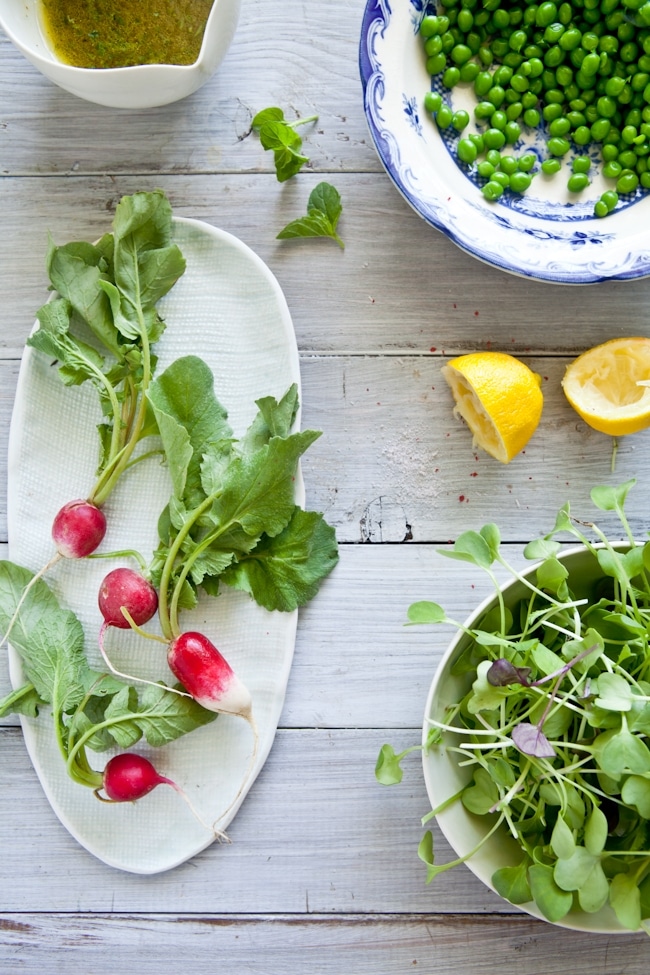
[285, 571]
[280, 136]
[49, 639]
[323, 211]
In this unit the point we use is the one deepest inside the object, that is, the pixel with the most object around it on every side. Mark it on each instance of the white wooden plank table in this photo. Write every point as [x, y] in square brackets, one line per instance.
[322, 875]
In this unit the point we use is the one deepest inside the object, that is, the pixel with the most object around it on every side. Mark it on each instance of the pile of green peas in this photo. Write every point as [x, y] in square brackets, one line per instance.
[582, 69]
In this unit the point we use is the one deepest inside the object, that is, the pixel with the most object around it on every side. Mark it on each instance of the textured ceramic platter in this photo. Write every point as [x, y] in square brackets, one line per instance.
[229, 309]
[547, 233]
[444, 777]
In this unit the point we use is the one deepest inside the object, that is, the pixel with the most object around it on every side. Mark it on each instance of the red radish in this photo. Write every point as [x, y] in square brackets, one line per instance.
[78, 528]
[207, 675]
[124, 588]
[128, 777]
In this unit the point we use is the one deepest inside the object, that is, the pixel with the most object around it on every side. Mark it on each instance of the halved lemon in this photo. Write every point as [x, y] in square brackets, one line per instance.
[499, 398]
[609, 386]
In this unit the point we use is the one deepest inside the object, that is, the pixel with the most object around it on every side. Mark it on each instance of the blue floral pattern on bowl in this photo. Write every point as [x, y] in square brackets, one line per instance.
[547, 233]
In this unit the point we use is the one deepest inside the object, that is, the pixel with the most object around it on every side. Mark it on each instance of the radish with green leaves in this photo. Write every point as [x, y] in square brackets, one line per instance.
[126, 597]
[110, 288]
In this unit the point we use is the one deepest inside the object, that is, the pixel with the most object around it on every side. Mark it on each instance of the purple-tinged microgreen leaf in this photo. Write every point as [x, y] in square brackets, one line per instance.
[553, 902]
[531, 740]
[512, 883]
[425, 611]
[563, 841]
[502, 672]
[625, 898]
[484, 696]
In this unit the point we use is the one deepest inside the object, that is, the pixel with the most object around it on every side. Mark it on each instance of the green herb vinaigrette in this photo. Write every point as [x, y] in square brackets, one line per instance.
[119, 33]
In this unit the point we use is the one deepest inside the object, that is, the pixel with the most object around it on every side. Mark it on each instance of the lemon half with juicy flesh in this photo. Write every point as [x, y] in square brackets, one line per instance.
[499, 398]
[609, 386]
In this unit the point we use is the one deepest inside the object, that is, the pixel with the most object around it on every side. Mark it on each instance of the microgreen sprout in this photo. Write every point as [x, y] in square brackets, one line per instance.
[554, 725]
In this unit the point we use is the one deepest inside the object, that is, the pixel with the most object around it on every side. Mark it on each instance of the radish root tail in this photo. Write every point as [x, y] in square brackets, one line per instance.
[251, 764]
[130, 677]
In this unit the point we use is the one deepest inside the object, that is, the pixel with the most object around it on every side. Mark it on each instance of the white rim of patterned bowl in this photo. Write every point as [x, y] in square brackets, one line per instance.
[547, 236]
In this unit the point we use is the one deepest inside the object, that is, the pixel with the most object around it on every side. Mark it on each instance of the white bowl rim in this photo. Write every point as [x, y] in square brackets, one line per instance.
[575, 920]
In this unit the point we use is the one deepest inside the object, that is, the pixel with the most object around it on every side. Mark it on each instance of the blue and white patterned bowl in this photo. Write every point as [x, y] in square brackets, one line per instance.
[547, 233]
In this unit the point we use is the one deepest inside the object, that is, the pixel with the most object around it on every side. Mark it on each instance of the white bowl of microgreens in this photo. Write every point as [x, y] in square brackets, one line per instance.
[125, 54]
[536, 738]
[520, 131]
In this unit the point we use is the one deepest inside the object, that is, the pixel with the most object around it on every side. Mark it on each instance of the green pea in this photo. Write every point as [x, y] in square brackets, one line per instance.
[550, 166]
[493, 156]
[451, 77]
[527, 161]
[532, 117]
[552, 112]
[600, 128]
[496, 95]
[485, 55]
[492, 190]
[512, 132]
[546, 14]
[465, 20]
[558, 146]
[500, 177]
[485, 169]
[509, 165]
[444, 116]
[478, 141]
[600, 209]
[460, 120]
[576, 119]
[430, 26]
[484, 110]
[614, 86]
[560, 126]
[432, 101]
[494, 139]
[627, 158]
[609, 152]
[436, 64]
[514, 110]
[519, 182]
[433, 45]
[582, 135]
[612, 169]
[607, 107]
[644, 179]
[466, 151]
[570, 39]
[499, 120]
[468, 71]
[581, 164]
[577, 182]
[460, 53]
[502, 76]
[627, 182]
[610, 199]
[536, 66]
[482, 83]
